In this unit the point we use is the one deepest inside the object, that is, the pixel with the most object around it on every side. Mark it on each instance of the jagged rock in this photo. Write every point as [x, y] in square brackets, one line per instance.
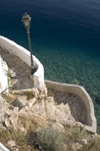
[22, 129]
[43, 90]
[95, 137]
[12, 144]
[2, 128]
[79, 124]
[13, 74]
[6, 123]
[31, 102]
[15, 148]
[76, 146]
[68, 123]
[36, 93]
[8, 115]
[82, 141]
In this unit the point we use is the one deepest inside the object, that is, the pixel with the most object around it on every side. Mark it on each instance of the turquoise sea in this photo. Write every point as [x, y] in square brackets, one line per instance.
[65, 36]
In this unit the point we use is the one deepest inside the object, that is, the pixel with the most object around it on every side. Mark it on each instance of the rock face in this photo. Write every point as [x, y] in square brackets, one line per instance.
[8, 114]
[57, 115]
[42, 106]
[12, 144]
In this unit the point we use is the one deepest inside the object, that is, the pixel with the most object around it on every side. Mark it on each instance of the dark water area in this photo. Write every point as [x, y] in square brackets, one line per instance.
[65, 36]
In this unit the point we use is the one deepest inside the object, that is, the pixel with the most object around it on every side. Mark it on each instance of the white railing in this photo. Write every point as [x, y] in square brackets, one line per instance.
[3, 76]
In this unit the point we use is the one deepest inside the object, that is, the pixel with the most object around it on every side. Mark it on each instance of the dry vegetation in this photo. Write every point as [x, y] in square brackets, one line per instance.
[38, 137]
[29, 95]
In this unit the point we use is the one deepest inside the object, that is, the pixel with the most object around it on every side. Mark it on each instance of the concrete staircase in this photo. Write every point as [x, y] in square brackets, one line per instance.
[75, 104]
[19, 71]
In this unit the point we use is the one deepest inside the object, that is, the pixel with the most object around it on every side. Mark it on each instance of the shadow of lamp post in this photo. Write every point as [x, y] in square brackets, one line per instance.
[26, 21]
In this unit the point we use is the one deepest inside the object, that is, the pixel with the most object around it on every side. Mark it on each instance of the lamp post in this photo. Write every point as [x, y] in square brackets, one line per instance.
[26, 21]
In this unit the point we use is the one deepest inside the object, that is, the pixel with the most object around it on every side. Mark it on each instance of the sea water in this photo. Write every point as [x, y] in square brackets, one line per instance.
[65, 37]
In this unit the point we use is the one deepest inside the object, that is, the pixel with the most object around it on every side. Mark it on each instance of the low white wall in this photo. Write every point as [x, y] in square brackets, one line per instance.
[81, 92]
[3, 148]
[24, 54]
[3, 76]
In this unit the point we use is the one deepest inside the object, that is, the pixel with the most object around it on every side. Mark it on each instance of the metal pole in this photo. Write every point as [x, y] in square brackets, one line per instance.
[33, 69]
[29, 41]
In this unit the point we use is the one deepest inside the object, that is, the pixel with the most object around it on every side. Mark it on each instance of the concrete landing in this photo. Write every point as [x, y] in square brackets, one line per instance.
[77, 107]
[19, 71]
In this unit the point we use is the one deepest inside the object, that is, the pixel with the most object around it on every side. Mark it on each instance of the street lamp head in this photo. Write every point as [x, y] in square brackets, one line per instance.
[26, 20]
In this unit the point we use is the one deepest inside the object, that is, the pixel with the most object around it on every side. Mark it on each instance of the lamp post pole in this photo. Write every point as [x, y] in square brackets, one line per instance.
[29, 41]
[26, 21]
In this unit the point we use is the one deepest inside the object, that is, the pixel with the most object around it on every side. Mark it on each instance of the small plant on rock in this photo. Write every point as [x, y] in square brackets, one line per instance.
[50, 93]
[18, 137]
[79, 133]
[93, 145]
[50, 139]
[29, 95]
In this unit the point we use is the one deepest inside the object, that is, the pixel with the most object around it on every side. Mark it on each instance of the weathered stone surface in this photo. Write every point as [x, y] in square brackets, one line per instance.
[12, 72]
[82, 141]
[8, 115]
[76, 146]
[57, 114]
[12, 144]
[43, 90]
[6, 123]
[31, 102]
[22, 129]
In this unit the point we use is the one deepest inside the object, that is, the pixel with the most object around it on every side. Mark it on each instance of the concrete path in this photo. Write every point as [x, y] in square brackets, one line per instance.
[75, 103]
[19, 70]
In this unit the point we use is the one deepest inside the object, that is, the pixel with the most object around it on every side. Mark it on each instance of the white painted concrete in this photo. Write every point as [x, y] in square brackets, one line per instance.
[3, 76]
[3, 148]
[81, 92]
[24, 54]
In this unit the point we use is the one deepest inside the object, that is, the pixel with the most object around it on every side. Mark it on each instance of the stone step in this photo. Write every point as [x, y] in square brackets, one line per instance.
[60, 99]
